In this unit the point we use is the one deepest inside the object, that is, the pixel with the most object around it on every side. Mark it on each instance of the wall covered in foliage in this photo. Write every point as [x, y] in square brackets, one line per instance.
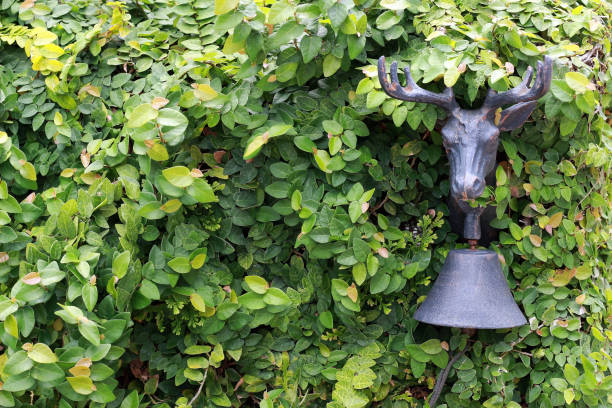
[212, 203]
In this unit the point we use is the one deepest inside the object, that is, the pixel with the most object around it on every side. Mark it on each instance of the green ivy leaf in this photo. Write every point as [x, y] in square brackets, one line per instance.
[331, 64]
[257, 284]
[179, 176]
[121, 263]
[142, 114]
[81, 384]
[276, 297]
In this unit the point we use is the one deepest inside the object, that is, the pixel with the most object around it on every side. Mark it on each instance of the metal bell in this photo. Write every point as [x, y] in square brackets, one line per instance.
[471, 292]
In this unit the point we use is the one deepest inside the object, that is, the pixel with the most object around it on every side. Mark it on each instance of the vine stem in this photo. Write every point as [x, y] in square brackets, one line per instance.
[441, 380]
[197, 394]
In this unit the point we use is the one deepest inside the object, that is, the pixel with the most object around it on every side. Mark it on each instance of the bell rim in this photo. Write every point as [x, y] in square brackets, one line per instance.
[507, 325]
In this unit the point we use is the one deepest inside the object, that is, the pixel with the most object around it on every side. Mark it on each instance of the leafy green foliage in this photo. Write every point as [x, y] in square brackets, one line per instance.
[213, 203]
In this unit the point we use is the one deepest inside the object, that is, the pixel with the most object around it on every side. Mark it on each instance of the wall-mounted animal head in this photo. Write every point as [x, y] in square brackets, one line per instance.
[471, 135]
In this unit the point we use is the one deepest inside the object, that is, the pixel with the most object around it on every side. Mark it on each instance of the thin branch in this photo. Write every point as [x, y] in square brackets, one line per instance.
[304, 398]
[441, 380]
[197, 394]
[377, 207]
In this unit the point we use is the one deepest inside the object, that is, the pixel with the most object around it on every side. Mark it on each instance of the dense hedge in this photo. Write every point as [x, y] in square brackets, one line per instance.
[213, 203]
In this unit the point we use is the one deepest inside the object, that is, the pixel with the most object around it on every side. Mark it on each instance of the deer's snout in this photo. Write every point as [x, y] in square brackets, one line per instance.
[468, 186]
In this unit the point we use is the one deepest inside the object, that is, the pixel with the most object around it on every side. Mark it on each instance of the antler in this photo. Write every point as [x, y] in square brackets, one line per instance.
[412, 92]
[522, 93]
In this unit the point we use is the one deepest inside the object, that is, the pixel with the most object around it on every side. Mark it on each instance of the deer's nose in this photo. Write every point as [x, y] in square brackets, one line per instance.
[474, 186]
[468, 186]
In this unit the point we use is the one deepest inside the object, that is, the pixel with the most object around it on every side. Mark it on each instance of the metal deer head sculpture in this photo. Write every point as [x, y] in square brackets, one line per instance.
[471, 136]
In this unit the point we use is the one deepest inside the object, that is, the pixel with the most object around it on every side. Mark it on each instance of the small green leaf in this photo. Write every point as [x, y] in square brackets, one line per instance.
[179, 176]
[276, 297]
[331, 64]
[333, 127]
[90, 332]
[180, 264]
[121, 263]
[252, 301]
[81, 384]
[327, 320]
[577, 81]
[375, 99]
[431, 346]
[257, 284]
[141, 115]
[359, 273]
[131, 401]
[310, 47]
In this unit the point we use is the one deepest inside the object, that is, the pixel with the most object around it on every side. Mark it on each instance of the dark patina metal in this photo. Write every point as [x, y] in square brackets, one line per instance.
[471, 136]
[471, 290]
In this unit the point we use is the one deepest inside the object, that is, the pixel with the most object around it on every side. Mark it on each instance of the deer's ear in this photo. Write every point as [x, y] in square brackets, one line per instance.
[516, 115]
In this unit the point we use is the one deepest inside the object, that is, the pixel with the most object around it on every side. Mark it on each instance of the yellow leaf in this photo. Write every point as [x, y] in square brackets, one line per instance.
[561, 277]
[497, 61]
[204, 92]
[198, 260]
[52, 81]
[171, 206]
[11, 327]
[89, 89]
[41, 353]
[555, 219]
[84, 362]
[58, 120]
[571, 47]
[80, 371]
[197, 362]
[69, 172]
[28, 171]
[197, 302]
[351, 292]
[44, 37]
[231, 47]
[81, 384]
[254, 146]
[224, 6]
[158, 152]
[209, 312]
[51, 65]
[535, 240]
[159, 102]
[51, 51]
[36, 62]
